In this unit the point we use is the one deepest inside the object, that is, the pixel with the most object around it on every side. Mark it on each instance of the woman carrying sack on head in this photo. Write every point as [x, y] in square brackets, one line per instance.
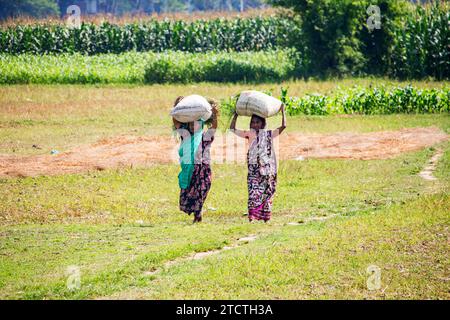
[195, 176]
[262, 167]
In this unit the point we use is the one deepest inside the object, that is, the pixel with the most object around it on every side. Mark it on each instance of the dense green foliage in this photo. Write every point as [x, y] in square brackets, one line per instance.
[378, 100]
[331, 37]
[372, 101]
[336, 39]
[422, 47]
[250, 34]
[219, 67]
[150, 67]
[73, 68]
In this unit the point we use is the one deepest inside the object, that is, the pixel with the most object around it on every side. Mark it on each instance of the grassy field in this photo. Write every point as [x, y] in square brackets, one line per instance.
[118, 226]
[62, 117]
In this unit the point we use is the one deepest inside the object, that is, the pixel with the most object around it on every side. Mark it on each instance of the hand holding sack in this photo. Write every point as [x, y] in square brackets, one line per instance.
[192, 108]
[254, 102]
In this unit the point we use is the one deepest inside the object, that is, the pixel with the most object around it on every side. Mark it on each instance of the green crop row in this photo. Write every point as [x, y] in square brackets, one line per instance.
[371, 101]
[368, 101]
[145, 67]
[249, 34]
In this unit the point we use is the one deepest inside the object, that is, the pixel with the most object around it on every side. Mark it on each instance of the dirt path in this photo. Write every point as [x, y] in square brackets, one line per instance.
[132, 151]
[427, 172]
[204, 254]
[134, 293]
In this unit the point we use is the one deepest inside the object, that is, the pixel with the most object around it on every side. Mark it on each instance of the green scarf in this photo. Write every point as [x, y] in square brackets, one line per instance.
[188, 150]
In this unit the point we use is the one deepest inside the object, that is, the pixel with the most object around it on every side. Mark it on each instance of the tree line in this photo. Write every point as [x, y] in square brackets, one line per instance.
[45, 8]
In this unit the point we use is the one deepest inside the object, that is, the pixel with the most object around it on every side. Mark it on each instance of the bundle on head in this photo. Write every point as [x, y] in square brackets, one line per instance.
[192, 108]
[257, 103]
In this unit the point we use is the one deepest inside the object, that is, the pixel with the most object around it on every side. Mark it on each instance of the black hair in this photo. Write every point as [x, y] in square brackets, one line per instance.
[263, 120]
[177, 100]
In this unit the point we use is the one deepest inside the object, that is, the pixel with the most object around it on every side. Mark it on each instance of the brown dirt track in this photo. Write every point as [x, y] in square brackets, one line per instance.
[132, 151]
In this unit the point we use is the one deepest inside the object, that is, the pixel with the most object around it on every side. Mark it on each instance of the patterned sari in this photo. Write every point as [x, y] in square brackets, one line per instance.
[193, 197]
[262, 176]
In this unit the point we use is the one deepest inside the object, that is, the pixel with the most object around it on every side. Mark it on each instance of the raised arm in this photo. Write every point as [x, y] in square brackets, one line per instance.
[280, 129]
[239, 133]
[233, 122]
[209, 135]
[215, 115]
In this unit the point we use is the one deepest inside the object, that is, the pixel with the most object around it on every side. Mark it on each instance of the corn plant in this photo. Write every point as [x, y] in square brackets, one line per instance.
[249, 34]
[422, 47]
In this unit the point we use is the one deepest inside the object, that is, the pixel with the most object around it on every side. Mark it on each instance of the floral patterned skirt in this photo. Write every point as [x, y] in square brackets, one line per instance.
[192, 198]
[261, 189]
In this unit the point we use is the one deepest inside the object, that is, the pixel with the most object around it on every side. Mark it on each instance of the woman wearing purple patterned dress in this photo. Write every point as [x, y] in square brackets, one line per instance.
[262, 166]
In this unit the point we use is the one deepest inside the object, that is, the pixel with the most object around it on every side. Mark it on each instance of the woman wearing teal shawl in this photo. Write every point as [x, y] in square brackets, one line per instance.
[195, 176]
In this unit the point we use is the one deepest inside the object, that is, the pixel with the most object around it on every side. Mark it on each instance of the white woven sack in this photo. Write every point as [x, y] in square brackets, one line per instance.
[192, 108]
[254, 102]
